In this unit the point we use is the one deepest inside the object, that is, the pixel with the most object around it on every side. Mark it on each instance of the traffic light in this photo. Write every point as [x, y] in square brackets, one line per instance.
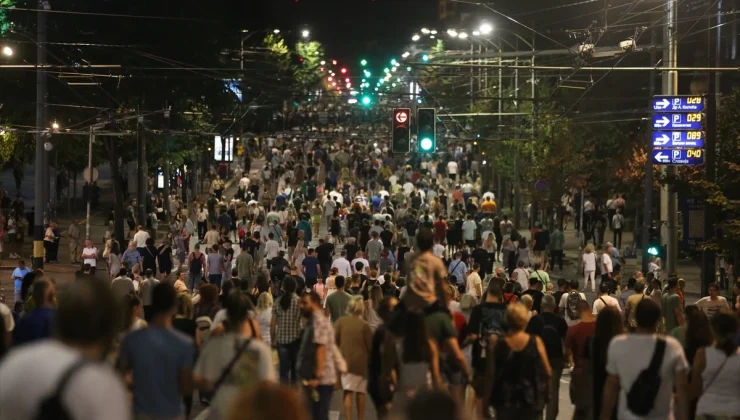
[363, 62]
[401, 130]
[655, 248]
[426, 124]
[366, 100]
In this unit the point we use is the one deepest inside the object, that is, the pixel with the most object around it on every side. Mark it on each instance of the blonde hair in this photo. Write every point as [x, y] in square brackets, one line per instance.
[264, 301]
[589, 249]
[356, 306]
[517, 316]
[184, 306]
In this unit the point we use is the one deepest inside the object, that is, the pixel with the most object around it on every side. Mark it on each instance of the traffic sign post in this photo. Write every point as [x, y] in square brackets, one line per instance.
[678, 130]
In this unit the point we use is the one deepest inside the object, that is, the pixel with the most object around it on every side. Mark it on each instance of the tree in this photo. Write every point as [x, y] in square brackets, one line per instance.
[5, 22]
[308, 72]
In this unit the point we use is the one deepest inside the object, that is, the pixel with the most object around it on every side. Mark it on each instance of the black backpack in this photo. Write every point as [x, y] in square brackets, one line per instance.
[52, 407]
[642, 394]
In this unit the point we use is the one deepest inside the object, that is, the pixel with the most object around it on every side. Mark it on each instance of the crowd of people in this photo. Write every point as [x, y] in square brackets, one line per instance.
[340, 266]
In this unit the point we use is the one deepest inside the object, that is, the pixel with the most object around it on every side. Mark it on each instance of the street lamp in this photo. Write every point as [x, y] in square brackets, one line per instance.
[415, 38]
[305, 33]
[425, 31]
[406, 54]
[462, 35]
[7, 51]
[485, 28]
[452, 33]
[276, 31]
[55, 125]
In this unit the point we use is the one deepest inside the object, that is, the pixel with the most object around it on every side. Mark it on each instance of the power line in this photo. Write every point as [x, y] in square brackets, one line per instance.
[97, 14]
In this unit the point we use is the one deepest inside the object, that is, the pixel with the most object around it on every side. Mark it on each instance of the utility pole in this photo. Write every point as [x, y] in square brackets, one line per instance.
[41, 183]
[708, 256]
[141, 175]
[668, 197]
[167, 165]
[90, 181]
[647, 210]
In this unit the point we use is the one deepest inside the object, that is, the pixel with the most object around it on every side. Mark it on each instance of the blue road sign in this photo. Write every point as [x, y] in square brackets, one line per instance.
[682, 157]
[678, 139]
[678, 103]
[690, 121]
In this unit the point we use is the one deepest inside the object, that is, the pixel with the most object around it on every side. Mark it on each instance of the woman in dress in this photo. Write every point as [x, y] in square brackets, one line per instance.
[354, 337]
[589, 267]
[164, 258]
[114, 260]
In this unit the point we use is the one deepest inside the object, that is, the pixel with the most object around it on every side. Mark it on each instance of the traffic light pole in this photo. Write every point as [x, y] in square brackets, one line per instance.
[41, 182]
[647, 210]
[668, 197]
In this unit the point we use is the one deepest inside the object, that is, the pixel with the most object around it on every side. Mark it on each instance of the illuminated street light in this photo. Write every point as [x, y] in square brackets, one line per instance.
[393, 62]
[485, 28]
[452, 33]
[425, 31]
[434, 32]
[406, 54]
[431, 37]
[7, 51]
[55, 125]
[323, 63]
[276, 31]
[305, 33]
[424, 57]
[415, 38]
[462, 35]
[476, 33]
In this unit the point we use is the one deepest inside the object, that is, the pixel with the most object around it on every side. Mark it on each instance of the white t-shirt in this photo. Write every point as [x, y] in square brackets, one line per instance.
[31, 374]
[599, 304]
[711, 307]
[473, 281]
[365, 265]
[408, 188]
[606, 260]
[621, 361]
[253, 367]
[272, 248]
[452, 167]
[140, 238]
[468, 229]
[343, 267]
[522, 277]
[90, 251]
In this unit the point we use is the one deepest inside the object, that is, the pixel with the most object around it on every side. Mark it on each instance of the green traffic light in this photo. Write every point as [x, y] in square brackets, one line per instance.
[394, 62]
[424, 57]
[653, 250]
[426, 143]
[363, 62]
[366, 100]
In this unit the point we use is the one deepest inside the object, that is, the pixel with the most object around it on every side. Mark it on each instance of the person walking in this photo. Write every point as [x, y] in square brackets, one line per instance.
[354, 337]
[73, 234]
[285, 330]
[517, 361]
[589, 267]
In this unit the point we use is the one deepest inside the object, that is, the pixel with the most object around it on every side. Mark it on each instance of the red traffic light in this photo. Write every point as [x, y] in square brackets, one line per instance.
[402, 116]
[344, 70]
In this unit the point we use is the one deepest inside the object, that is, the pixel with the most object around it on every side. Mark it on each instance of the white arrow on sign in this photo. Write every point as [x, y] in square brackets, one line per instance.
[663, 104]
[660, 157]
[662, 122]
[662, 140]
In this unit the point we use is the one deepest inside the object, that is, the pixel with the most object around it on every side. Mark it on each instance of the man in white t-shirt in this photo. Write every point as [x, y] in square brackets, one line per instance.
[342, 265]
[140, 238]
[36, 369]
[438, 249]
[606, 265]
[360, 258]
[604, 300]
[623, 369]
[474, 283]
[90, 255]
[452, 170]
[522, 275]
[713, 303]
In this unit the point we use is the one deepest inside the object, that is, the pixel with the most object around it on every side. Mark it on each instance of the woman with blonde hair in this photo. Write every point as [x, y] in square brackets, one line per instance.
[516, 361]
[354, 337]
[264, 314]
[589, 267]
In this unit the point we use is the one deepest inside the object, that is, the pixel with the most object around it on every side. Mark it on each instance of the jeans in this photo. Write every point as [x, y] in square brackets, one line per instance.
[320, 409]
[194, 279]
[557, 371]
[287, 354]
[215, 279]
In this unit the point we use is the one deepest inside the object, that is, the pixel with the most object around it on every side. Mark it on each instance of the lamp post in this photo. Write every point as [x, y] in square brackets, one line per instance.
[41, 182]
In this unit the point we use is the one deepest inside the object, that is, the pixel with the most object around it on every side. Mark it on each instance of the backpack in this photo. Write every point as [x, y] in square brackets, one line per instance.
[642, 393]
[52, 407]
[204, 327]
[552, 340]
[571, 304]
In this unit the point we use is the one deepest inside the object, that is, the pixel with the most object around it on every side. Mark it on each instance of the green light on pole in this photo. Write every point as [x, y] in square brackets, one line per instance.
[394, 62]
[363, 62]
[367, 73]
[653, 250]
[408, 68]
[424, 57]
[366, 100]
[386, 70]
[426, 144]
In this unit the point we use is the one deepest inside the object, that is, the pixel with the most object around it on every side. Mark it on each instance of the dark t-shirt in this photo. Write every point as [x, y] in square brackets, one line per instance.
[185, 326]
[557, 295]
[480, 256]
[311, 270]
[486, 319]
[536, 297]
[351, 251]
[251, 246]
[324, 253]
[554, 336]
